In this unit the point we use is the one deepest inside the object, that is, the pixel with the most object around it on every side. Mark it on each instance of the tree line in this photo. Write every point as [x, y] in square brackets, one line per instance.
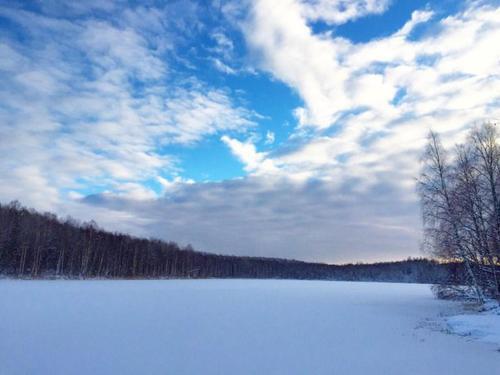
[459, 190]
[36, 245]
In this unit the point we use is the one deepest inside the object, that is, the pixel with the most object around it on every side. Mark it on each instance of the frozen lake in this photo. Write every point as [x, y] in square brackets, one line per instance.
[230, 327]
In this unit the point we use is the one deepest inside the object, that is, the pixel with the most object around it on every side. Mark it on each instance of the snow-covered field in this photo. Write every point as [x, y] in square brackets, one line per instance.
[483, 327]
[230, 327]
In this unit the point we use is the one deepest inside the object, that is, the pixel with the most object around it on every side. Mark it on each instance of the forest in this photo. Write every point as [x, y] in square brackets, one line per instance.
[36, 245]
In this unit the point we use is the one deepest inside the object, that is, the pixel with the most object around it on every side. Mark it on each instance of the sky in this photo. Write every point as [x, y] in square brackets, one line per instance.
[284, 128]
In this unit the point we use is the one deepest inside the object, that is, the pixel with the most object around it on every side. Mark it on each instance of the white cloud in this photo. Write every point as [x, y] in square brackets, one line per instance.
[194, 114]
[224, 45]
[223, 67]
[90, 104]
[255, 162]
[341, 11]
[270, 137]
[173, 185]
[418, 16]
[445, 80]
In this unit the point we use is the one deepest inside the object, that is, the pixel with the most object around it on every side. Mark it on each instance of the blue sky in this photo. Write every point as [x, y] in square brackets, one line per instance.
[286, 128]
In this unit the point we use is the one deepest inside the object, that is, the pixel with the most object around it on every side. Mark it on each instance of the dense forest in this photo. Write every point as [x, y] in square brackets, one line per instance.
[35, 245]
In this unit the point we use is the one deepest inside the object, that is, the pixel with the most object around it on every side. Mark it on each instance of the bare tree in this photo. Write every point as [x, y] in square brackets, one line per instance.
[460, 205]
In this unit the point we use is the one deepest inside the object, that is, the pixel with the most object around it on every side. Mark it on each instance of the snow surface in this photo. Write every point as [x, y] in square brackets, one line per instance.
[230, 327]
[483, 327]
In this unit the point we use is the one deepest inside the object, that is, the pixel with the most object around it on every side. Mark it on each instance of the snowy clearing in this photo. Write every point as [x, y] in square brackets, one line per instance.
[230, 327]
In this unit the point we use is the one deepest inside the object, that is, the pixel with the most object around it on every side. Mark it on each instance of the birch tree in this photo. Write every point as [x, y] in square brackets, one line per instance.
[460, 205]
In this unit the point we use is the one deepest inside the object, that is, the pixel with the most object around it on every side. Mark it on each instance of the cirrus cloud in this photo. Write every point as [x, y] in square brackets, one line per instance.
[90, 102]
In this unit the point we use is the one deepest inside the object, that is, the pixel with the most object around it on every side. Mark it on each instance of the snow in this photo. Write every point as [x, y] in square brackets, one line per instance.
[230, 327]
[483, 327]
